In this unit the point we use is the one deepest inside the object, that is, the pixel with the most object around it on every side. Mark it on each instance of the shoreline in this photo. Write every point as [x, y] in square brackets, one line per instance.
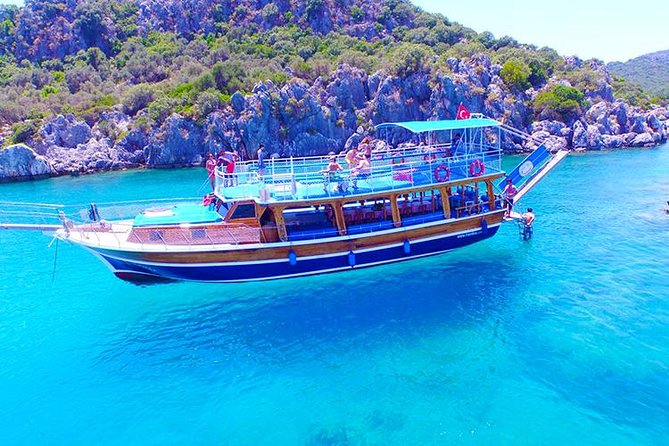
[40, 177]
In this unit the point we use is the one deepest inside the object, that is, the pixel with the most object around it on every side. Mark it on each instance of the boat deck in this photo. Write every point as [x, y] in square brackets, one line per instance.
[304, 179]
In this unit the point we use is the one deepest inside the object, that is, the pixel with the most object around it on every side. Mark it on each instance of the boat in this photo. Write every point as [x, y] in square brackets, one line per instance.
[433, 187]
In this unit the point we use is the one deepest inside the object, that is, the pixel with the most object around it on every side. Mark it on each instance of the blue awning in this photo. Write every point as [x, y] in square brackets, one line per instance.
[436, 126]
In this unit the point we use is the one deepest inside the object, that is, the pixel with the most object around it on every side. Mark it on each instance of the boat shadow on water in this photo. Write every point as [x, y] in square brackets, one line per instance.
[294, 319]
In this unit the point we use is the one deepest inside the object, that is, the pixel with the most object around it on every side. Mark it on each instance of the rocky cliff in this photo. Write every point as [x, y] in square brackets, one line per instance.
[303, 119]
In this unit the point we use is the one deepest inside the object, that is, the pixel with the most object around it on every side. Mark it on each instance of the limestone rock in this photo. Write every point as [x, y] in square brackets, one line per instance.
[65, 131]
[178, 143]
[643, 140]
[19, 162]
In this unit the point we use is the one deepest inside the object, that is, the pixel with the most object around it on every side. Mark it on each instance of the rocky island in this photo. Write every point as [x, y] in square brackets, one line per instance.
[89, 86]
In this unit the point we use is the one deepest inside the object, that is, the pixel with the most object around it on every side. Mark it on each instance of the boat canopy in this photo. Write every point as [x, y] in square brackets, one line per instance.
[435, 126]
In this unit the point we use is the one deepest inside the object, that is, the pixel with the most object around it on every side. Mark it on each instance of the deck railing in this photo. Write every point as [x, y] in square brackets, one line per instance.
[304, 178]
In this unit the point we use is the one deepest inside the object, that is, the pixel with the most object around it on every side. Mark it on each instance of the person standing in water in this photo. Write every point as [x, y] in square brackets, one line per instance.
[527, 220]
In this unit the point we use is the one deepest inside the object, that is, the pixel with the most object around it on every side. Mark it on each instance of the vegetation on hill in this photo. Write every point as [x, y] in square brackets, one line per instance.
[88, 56]
[649, 72]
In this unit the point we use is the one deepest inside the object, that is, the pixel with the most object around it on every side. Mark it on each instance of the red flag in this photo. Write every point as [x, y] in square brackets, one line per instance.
[462, 113]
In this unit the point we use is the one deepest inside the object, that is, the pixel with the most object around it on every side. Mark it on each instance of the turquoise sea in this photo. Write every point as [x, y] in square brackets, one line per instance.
[560, 340]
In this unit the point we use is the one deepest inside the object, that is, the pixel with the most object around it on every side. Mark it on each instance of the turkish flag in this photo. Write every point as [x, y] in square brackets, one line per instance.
[462, 113]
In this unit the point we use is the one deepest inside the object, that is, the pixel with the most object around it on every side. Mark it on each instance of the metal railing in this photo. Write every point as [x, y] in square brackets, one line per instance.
[111, 224]
[307, 178]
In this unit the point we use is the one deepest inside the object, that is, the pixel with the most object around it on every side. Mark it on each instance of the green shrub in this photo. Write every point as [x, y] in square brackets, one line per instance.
[181, 90]
[58, 76]
[24, 131]
[161, 109]
[229, 76]
[516, 74]
[104, 101]
[559, 102]
[408, 59]
[48, 90]
[137, 98]
[208, 101]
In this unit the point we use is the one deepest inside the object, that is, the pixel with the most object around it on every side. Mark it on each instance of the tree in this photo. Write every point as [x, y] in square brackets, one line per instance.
[137, 98]
[409, 58]
[516, 74]
[229, 76]
[559, 102]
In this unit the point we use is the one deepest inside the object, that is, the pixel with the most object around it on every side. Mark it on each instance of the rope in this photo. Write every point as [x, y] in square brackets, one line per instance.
[55, 259]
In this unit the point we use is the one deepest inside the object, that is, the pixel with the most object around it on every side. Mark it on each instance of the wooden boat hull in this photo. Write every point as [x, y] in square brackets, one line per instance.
[296, 259]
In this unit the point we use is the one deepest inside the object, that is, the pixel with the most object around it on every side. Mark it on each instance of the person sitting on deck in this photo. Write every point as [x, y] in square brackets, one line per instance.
[362, 170]
[509, 193]
[352, 158]
[330, 173]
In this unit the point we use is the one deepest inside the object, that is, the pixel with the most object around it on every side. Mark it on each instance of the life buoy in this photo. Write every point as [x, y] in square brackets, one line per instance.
[442, 173]
[208, 199]
[400, 161]
[476, 168]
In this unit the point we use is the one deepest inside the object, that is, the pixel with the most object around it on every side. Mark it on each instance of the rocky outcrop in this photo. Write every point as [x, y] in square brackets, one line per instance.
[19, 162]
[178, 142]
[65, 131]
[608, 125]
[330, 114]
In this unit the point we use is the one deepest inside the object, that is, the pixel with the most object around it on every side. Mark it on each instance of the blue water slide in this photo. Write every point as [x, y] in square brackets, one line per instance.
[528, 167]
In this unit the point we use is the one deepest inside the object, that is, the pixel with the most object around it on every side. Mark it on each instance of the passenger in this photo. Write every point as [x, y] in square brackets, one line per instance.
[330, 173]
[365, 146]
[210, 165]
[362, 170]
[352, 158]
[229, 168]
[527, 219]
[509, 193]
[261, 160]
[221, 162]
[456, 141]
[235, 160]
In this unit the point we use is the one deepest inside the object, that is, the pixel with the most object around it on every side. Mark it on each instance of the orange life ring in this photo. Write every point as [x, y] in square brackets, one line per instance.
[476, 168]
[442, 173]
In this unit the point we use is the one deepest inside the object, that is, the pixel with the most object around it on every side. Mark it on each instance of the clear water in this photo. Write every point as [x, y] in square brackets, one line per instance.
[560, 340]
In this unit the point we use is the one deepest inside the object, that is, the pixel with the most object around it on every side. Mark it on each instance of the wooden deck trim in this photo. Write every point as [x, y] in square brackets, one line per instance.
[322, 246]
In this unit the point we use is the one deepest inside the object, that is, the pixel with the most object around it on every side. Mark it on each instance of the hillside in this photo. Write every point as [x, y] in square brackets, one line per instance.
[95, 85]
[650, 71]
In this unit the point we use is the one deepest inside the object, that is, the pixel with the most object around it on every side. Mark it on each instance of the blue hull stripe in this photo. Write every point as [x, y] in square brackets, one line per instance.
[313, 265]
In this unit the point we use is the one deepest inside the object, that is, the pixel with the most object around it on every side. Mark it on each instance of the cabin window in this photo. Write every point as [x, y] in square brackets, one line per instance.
[310, 222]
[247, 210]
[198, 233]
[420, 207]
[470, 199]
[368, 215]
